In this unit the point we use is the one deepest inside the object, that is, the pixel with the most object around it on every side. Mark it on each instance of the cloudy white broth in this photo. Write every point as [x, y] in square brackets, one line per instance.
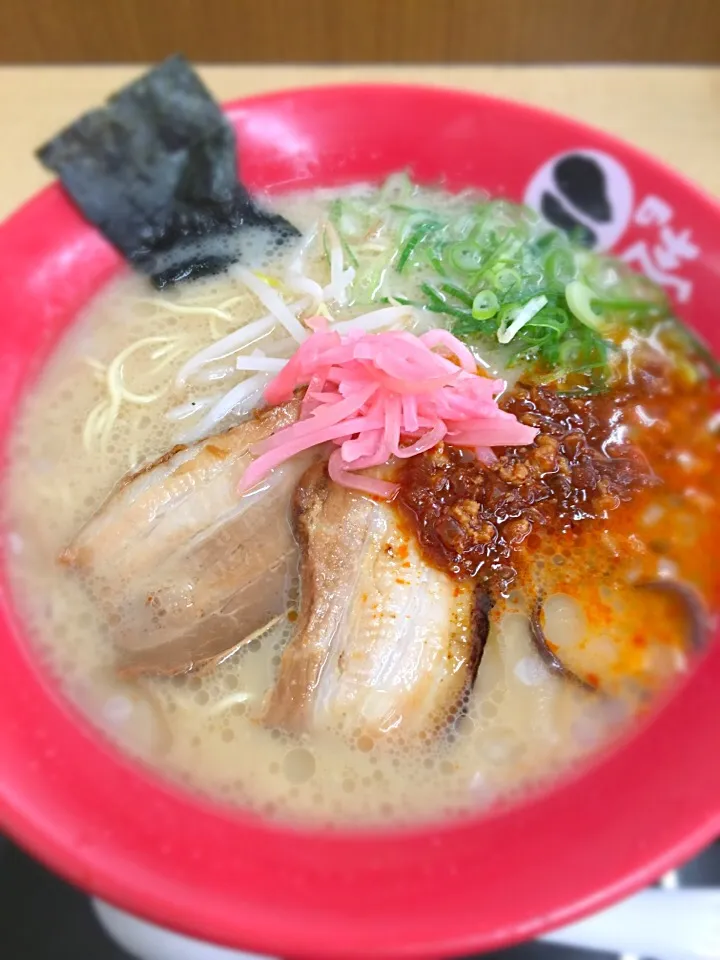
[414, 634]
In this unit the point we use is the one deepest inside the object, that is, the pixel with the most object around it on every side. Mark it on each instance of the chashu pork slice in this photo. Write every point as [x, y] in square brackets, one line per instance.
[385, 643]
[186, 568]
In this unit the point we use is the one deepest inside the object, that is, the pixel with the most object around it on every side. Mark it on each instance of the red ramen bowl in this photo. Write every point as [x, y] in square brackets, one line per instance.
[435, 890]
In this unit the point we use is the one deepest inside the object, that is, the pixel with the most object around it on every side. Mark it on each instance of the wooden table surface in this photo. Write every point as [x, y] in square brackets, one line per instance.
[672, 112]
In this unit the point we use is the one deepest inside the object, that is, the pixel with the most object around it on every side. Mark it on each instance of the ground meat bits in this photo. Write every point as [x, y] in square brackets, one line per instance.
[471, 518]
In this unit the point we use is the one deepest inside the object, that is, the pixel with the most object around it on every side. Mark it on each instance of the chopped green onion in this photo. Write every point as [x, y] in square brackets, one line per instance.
[498, 272]
[553, 318]
[465, 256]
[560, 266]
[504, 278]
[416, 237]
[518, 318]
[438, 303]
[434, 294]
[485, 305]
[436, 261]
[454, 291]
[336, 218]
[579, 298]
[546, 240]
[496, 250]
[451, 311]
[636, 306]
[347, 221]
[347, 250]
[570, 352]
[405, 208]
[367, 283]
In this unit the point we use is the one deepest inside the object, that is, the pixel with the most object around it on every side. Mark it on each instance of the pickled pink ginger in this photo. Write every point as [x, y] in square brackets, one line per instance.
[382, 395]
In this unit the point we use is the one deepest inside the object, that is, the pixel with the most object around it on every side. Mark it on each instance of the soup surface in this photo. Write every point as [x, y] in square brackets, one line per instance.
[554, 588]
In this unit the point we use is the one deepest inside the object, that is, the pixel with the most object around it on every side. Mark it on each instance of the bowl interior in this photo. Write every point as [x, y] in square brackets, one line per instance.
[467, 885]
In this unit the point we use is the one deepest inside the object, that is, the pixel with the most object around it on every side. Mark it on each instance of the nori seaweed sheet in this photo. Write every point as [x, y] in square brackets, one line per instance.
[156, 172]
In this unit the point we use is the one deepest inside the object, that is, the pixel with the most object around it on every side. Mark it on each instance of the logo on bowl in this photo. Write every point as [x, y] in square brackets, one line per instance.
[666, 251]
[589, 192]
[585, 191]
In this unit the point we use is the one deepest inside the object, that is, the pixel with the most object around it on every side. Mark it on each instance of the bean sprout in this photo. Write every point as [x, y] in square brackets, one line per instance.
[286, 301]
[184, 410]
[214, 373]
[376, 319]
[340, 278]
[239, 401]
[298, 283]
[297, 266]
[273, 302]
[261, 363]
[242, 337]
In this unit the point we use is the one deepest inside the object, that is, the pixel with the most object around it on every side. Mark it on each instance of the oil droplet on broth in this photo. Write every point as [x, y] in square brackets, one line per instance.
[299, 765]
